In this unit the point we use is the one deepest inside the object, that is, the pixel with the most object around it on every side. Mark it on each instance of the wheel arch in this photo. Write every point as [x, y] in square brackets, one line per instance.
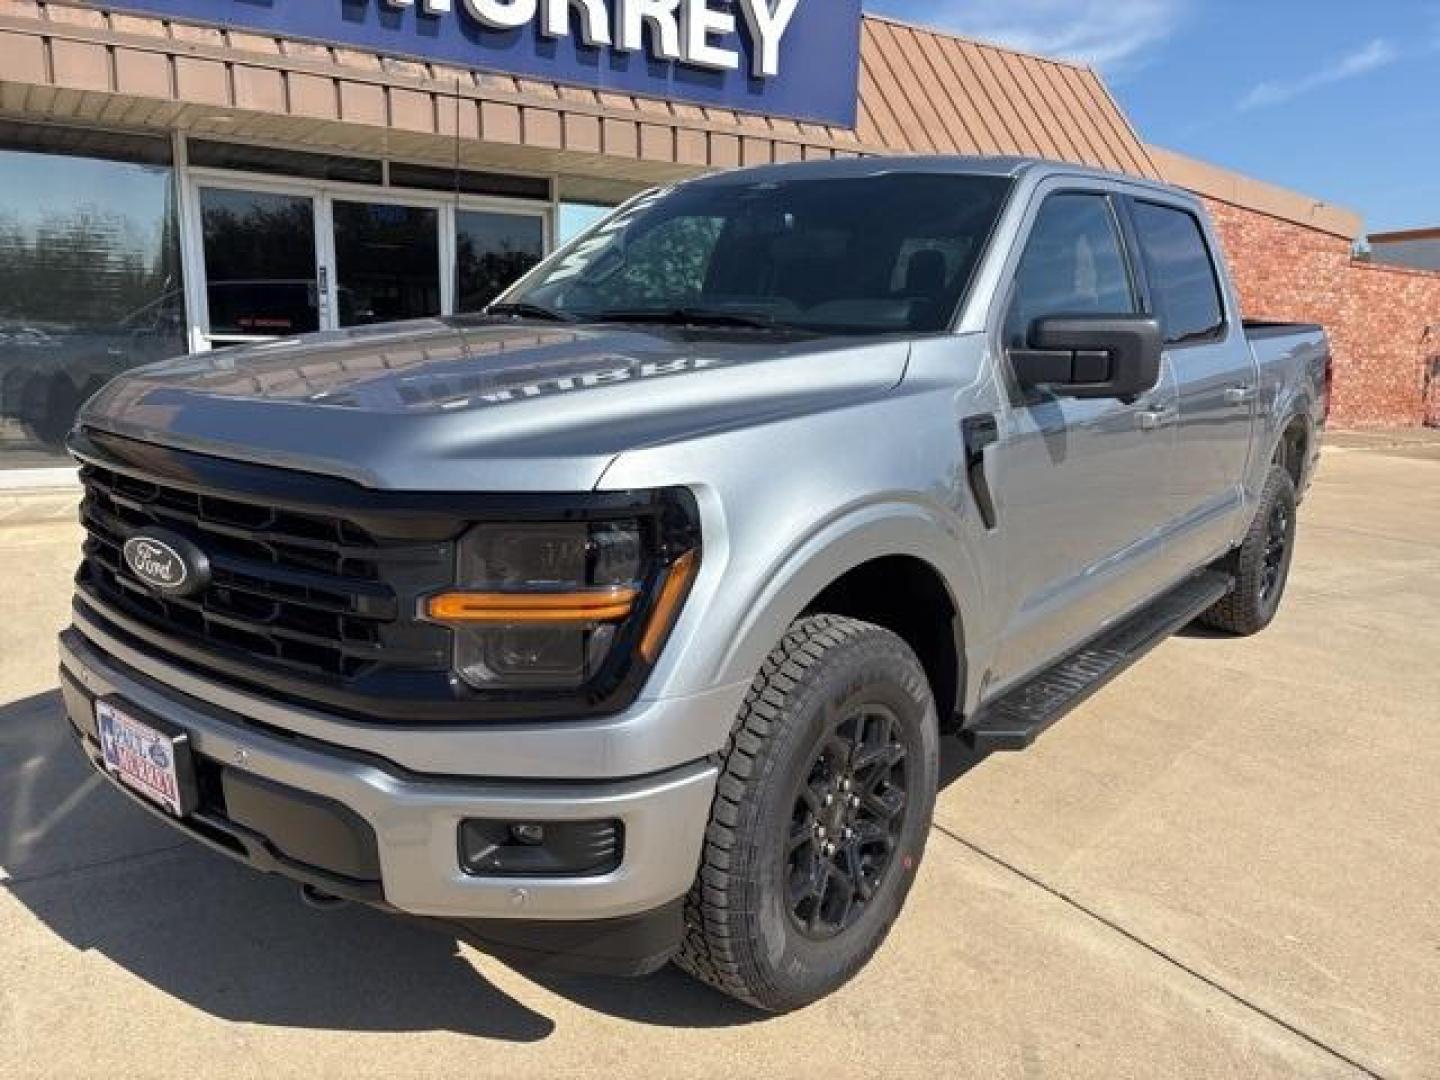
[1292, 445]
[907, 596]
[897, 567]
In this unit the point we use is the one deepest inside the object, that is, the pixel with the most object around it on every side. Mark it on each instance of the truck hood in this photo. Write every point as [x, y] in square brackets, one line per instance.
[468, 405]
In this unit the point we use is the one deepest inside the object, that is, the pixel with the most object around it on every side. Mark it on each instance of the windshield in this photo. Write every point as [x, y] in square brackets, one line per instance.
[864, 255]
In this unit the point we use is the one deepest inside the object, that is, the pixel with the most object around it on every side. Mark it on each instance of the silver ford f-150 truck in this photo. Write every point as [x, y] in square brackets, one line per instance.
[621, 623]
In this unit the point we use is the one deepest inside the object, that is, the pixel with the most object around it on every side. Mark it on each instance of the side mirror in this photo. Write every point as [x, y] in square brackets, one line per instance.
[1091, 356]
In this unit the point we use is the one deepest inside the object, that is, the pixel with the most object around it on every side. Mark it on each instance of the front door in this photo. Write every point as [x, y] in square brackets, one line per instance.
[1082, 484]
[290, 257]
[263, 270]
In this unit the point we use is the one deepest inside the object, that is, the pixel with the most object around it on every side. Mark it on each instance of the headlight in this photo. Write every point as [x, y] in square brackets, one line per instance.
[553, 607]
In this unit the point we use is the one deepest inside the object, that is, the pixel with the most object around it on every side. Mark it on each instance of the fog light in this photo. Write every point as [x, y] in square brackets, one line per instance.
[490, 848]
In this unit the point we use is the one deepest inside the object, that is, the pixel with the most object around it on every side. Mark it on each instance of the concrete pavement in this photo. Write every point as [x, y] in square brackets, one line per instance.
[1226, 864]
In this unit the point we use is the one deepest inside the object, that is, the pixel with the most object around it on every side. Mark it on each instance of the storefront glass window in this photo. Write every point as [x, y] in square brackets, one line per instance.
[492, 252]
[575, 218]
[89, 276]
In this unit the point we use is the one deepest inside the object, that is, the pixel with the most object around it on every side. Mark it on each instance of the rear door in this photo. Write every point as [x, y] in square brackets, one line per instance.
[1082, 483]
[1215, 373]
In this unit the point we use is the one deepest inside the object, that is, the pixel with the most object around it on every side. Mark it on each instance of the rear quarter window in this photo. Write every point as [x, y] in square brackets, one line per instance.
[1182, 274]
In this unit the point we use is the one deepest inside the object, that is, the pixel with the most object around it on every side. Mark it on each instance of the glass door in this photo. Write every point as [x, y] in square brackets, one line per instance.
[387, 261]
[262, 265]
[287, 256]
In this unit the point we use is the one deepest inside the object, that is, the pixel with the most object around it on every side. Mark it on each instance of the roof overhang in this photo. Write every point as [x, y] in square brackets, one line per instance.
[920, 91]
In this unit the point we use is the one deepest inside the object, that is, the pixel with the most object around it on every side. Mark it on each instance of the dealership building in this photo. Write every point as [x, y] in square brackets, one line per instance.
[180, 175]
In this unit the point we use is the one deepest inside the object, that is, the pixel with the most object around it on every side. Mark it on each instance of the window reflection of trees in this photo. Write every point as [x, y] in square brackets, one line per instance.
[492, 252]
[86, 291]
[264, 237]
[83, 268]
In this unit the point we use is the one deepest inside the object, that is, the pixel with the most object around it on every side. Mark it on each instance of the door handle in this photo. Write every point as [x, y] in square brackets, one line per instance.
[1155, 419]
[1241, 395]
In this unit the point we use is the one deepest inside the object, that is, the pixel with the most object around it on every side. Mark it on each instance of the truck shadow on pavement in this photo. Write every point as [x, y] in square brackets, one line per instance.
[106, 878]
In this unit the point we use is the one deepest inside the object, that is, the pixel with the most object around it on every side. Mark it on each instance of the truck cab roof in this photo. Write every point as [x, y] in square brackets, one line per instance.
[1034, 169]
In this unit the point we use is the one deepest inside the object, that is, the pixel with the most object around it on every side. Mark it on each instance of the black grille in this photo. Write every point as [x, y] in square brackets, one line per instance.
[316, 582]
[309, 593]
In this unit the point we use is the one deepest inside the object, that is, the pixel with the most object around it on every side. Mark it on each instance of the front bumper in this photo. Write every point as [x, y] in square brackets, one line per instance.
[411, 819]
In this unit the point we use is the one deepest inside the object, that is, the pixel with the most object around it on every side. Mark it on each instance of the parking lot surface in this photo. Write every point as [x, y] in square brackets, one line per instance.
[1225, 864]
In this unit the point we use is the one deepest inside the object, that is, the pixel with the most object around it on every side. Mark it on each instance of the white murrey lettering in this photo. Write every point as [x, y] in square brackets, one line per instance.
[699, 23]
[768, 24]
[430, 7]
[503, 14]
[687, 31]
[594, 21]
[661, 17]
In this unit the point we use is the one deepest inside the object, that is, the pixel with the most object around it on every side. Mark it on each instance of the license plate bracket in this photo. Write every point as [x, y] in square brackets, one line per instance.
[150, 755]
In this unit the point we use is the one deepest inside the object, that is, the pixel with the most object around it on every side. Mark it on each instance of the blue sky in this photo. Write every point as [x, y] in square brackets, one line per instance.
[1336, 98]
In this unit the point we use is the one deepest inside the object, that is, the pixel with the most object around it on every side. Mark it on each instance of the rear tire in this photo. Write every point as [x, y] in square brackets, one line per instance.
[1261, 564]
[823, 807]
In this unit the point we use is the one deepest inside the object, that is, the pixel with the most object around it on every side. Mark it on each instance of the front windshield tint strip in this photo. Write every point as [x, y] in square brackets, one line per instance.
[883, 254]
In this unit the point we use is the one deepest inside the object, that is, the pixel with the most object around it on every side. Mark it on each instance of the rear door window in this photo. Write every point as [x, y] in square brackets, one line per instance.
[1182, 276]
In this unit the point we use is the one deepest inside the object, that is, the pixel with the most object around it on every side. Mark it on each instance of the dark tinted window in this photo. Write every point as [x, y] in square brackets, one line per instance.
[867, 254]
[1182, 275]
[492, 252]
[82, 142]
[387, 262]
[259, 262]
[1074, 264]
[268, 159]
[432, 178]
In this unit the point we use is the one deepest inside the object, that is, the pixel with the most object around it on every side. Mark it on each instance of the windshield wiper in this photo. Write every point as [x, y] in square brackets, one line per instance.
[689, 316]
[526, 310]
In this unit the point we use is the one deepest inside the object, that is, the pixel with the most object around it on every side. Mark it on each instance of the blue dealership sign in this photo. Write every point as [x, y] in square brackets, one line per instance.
[792, 58]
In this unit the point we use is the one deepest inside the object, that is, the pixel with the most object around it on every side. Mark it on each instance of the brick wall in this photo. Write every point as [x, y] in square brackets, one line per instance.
[1384, 322]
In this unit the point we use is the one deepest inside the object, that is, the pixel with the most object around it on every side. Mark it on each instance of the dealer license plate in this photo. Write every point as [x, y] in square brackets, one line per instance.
[153, 762]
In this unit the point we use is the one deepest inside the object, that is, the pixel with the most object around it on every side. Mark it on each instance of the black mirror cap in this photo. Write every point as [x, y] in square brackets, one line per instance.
[1092, 356]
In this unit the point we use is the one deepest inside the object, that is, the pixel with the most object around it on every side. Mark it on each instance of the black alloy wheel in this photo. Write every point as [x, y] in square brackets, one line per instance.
[846, 824]
[1277, 546]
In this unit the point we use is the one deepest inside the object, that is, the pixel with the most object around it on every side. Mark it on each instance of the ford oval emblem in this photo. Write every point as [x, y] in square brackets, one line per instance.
[167, 563]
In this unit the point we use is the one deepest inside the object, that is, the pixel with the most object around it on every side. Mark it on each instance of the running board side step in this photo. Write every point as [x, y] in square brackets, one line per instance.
[1022, 715]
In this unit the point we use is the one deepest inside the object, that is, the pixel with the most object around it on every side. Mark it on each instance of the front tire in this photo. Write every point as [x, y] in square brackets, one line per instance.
[820, 818]
[1261, 564]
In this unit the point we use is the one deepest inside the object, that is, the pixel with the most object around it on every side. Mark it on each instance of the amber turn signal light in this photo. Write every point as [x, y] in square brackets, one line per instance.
[667, 605]
[596, 605]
